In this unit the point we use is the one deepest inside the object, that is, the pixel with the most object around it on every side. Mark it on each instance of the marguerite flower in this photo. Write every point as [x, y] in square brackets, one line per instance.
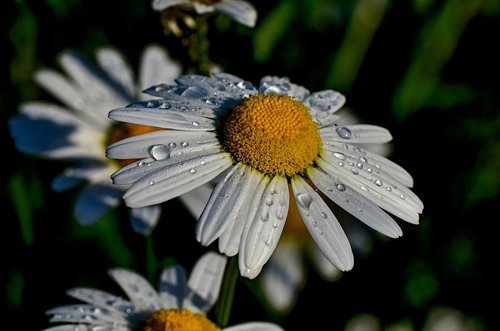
[80, 130]
[179, 304]
[272, 146]
[241, 11]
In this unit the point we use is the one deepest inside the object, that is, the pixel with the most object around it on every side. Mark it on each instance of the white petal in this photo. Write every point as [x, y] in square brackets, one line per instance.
[90, 171]
[102, 299]
[323, 104]
[173, 287]
[171, 142]
[354, 203]
[52, 131]
[117, 69]
[371, 161]
[145, 219]
[205, 282]
[160, 5]
[389, 195]
[157, 67]
[254, 326]
[171, 181]
[261, 238]
[224, 204]
[95, 200]
[282, 86]
[230, 239]
[86, 314]
[241, 11]
[322, 225]
[357, 134]
[201, 8]
[283, 276]
[161, 118]
[141, 293]
[71, 327]
[236, 85]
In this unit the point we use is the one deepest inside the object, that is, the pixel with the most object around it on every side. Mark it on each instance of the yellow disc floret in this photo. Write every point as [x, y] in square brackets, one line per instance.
[274, 134]
[178, 320]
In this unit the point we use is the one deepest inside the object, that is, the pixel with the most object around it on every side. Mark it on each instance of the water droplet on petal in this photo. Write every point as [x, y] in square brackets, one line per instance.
[141, 164]
[159, 152]
[203, 162]
[354, 171]
[193, 171]
[341, 164]
[172, 145]
[304, 200]
[402, 196]
[184, 144]
[378, 182]
[264, 217]
[165, 105]
[341, 187]
[324, 215]
[344, 132]
[194, 123]
[339, 155]
[268, 201]
[151, 182]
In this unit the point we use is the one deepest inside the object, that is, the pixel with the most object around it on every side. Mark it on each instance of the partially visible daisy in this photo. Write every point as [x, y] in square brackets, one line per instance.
[179, 304]
[79, 130]
[241, 11]
[272, 146]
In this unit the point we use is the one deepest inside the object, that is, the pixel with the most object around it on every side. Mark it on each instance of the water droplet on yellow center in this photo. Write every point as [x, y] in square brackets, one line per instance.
[274, 134]
[121, 131]
[178, 320]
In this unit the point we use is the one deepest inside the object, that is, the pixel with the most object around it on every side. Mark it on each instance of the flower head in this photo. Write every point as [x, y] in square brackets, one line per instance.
[79, 130]
[179, 304]
[264, 165]
[241, 11]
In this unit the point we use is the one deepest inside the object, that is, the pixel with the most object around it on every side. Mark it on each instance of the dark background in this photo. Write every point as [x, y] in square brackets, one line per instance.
[426, 69]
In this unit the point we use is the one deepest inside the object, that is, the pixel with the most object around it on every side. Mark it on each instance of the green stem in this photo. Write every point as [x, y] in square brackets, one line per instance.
[223, 308]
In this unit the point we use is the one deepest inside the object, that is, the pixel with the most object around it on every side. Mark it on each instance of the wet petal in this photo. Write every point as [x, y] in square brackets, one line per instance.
[322, 225]
[161, 118]
[157, 67]
[176, 179]
[117, 69]
[102, 299]
[141, 293]
[254, 326]
[261, 238]
[161, 5]
[357, 134]
[86, 314]
[354, 203]
[224, 204]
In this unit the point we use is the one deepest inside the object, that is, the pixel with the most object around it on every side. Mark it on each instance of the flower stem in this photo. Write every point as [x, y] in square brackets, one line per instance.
[223, 308]
[151, 261]
[198, 45]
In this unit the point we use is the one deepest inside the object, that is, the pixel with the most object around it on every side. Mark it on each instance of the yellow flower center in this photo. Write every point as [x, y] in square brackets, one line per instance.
[122, 130]
[178, 320]
[274, 134]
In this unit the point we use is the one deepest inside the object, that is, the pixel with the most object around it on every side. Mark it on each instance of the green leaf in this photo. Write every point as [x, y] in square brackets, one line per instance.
[21, 200]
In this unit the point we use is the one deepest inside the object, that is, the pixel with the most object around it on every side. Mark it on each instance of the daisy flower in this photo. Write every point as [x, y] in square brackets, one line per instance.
[79, 130]
[241, 11]
[272, 146]
[179, 304]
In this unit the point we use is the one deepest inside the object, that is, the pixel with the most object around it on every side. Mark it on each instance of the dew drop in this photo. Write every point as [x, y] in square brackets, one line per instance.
[339, 155]
[341, 187]
[268, 201]
[159, 152]
[304, 200]
[388, 188]
[344, 132]
[324, 215]
[359, 165]
[203, 162]
[194, 123]
[370, 170]
[354, 171]
[150, 104]
[165, 105]
[193, 170]
[280, 215]
[172, 145]
[378, 182]
[402, 196]
[184, 144]
[151, 182]
[275, 225]
[264, 217]
[363, 159]
[341, 164]
[141, 164]
[329, 189]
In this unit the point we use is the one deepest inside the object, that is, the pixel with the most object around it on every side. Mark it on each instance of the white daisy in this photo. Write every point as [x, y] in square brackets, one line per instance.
[79, 130]
[272, 146]
[241, 11]
[179, 304]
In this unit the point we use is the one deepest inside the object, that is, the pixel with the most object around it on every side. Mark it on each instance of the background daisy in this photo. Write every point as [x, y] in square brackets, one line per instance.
[179, 303]
[79, 130]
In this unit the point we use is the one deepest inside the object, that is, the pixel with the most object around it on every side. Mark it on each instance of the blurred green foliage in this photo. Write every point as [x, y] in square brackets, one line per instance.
[425, 69]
